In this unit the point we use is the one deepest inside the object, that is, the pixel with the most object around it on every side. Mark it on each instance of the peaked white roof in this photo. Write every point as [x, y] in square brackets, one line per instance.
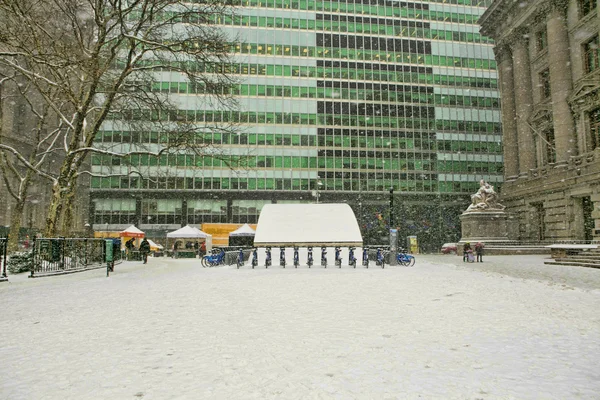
[244, 230]
[132, 229]
[307, 225]
[187, 232]
[154, 244]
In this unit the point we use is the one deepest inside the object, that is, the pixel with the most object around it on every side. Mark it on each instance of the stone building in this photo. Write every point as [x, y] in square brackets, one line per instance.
[549, 71]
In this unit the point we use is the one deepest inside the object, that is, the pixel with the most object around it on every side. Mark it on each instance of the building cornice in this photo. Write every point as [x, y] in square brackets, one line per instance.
[504, 17]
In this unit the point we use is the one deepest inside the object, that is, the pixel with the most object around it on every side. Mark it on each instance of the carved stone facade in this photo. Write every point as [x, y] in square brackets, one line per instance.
[548, 62]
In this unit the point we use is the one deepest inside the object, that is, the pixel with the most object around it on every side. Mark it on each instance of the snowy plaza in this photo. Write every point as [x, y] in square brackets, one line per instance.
[508, 328]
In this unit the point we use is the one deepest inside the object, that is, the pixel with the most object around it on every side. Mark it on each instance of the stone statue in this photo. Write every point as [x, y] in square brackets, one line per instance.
[485, 199]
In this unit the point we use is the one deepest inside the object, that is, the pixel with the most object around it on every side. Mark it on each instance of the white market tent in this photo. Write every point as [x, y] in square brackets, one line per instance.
[132, 231]
[190, 232]
[242, 236]
[155, 245]
[307, 225]
[244, 230]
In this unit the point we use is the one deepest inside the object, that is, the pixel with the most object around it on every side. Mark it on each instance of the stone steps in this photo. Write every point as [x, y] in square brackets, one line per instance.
[583, 258]
[574, 264]
[493, 250]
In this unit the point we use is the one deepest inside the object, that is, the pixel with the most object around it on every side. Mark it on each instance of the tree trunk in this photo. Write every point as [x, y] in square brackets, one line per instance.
[16, 217]
[54, 210]
[67, 214]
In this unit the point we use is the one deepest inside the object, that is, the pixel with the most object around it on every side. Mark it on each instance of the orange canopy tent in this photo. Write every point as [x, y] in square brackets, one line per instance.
[131, 232]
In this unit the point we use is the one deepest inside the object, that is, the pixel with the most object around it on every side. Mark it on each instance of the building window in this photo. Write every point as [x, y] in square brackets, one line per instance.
[550, 147]
[590, 54]
[541, 40]
[585, 7]
[544, 78]
[539, 222]
[595, 127]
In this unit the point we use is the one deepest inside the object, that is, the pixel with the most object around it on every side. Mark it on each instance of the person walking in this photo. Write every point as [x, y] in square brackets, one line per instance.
[145, 249]
[479, 251]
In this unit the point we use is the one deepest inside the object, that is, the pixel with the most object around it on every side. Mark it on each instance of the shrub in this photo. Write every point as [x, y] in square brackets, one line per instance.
[20, 262]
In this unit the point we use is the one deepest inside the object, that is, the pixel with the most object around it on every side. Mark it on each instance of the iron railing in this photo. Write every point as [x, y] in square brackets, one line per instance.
[3, 253]
[65, 255]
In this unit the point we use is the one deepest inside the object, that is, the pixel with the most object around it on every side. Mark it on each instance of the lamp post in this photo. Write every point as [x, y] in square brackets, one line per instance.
[316, 193]
[393, 231]
[391, 207]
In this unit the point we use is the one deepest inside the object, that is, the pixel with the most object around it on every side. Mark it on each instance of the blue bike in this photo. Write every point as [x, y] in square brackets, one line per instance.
[268, 257]
[351, 258]
[282, 256]
[338, 257]
[254, 258]
[365, 257]
[240, 258]
[214, 259]
[324, 257]
[296, 257]
[309, 261]
[404, 259]
[380, 259]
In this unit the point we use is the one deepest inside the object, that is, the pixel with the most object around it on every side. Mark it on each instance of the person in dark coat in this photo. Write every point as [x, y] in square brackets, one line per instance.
[145, 249]
[479, 251]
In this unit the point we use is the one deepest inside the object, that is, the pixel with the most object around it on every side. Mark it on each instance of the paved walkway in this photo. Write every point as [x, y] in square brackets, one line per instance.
[509, 328]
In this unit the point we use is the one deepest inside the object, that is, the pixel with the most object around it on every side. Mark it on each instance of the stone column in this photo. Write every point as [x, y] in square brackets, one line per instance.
[509, 117]
[523, 103]
[561, 84]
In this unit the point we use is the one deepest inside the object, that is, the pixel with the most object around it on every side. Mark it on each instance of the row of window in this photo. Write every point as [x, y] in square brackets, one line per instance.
[359, 72]
[336, 93]
[367, 9]
[367, 139]
[380, 28]
[393, 163]
[412, 185]
[311, 4]
[401, 9]
[268, 118]
[364, 55]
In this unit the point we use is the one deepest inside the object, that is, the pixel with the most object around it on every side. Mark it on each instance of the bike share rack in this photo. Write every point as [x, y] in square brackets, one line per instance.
[378, 254]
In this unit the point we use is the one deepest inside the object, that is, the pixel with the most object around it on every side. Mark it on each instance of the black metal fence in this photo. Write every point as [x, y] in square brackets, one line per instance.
[3, 253]
[65, 255]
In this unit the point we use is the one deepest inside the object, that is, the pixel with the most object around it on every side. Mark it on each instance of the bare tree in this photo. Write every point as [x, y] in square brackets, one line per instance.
[93, 63]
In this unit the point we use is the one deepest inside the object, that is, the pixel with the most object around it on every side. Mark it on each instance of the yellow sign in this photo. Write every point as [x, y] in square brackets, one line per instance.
[413, 245]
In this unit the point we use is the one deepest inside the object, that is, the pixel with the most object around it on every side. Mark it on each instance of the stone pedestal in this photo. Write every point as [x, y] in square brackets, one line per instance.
[484, 226]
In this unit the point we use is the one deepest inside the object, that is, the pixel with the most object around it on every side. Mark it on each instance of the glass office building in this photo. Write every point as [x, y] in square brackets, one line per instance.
[339, 101]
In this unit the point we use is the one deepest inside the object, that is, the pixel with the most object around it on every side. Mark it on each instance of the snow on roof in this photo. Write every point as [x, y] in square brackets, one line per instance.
[244, 230]
[307, 225]
[187, 232]
[153, 244]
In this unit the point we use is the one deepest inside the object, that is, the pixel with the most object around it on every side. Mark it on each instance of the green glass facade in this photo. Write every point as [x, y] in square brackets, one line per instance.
[338, 100]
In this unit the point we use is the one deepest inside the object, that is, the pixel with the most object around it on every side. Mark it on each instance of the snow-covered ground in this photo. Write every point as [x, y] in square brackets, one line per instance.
[509, 328]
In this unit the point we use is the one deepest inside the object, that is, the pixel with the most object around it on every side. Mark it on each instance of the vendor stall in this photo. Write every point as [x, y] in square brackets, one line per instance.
[187, 240]
[130, 242]
[243, 236]
[156, 249]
